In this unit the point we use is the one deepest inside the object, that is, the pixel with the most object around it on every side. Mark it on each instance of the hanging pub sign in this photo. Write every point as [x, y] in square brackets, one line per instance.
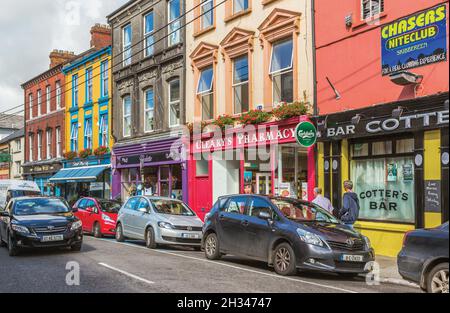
[306, 134]
[414, 41]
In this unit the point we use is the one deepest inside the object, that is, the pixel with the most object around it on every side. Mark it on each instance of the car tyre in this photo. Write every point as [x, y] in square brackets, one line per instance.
[437, 279]
[12, 249]
[284, 260]
[76, 247]
[97, 231]
[212, 248]
[119, 233]
[150, 238]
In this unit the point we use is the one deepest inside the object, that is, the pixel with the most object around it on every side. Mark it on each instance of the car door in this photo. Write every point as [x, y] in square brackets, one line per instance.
[81, 212]
[91, 213]
[4, 221]
[141, 219]
[127, 214]
[257, 232]
[229, 228]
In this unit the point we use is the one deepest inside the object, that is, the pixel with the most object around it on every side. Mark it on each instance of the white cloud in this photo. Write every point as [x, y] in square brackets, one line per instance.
[31, 29]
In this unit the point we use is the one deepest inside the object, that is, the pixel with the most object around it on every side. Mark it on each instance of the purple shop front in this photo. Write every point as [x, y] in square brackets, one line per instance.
[149, 168]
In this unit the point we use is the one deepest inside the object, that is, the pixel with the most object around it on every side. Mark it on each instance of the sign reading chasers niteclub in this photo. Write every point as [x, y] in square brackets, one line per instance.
[415, 41]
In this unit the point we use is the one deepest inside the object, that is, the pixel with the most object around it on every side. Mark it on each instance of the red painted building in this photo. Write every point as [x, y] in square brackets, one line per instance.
[382, 95]
[44, 122]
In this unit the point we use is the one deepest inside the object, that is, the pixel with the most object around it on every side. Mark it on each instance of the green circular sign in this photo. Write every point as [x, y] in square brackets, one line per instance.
[306, 134]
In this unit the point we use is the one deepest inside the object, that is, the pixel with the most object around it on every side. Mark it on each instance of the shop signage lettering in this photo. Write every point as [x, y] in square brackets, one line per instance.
[414, 41]
[146, 158]
[265, 136]
[387, 198]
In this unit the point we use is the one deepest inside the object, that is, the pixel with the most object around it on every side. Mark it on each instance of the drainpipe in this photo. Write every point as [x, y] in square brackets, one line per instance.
[315, 108]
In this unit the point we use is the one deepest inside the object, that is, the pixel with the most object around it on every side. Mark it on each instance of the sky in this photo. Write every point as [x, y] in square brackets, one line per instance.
[31, 29]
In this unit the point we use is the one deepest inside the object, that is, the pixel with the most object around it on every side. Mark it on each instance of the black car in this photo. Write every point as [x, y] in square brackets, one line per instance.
[39, 222]
[288, 234]
[424, 258]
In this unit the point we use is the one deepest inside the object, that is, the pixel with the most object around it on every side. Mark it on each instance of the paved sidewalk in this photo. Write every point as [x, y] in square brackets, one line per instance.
[389, 272]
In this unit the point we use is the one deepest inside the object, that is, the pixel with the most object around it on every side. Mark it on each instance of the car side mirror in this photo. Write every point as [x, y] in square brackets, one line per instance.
[143, 210]
[74, 209]
[264, 216]
[90, 210]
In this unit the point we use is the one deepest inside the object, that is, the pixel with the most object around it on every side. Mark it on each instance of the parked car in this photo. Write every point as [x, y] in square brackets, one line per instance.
[99, 216]
[39, 222]
[288, 234]
[159, 221]
[424, 258]
[10, 189]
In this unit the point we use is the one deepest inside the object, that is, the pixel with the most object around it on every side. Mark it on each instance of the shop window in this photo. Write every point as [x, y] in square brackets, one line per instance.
[382, 148]
[240, 84]
[127, 116]
[205, 90]
[360, 150]
[149, 110]
[371, 8]
[174, 13]
[207, 11]
[174, 103]
[281, 71]
[148, 33]
[292, 172]
[405, 145]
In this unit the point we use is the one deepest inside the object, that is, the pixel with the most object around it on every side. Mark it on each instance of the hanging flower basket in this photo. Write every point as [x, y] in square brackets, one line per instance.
[288, 110]
[101, 151]
[85, 153]
[70, 155]
[254, 117]
[223, 121]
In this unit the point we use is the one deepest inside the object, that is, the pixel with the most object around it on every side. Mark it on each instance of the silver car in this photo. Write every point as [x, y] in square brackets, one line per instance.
[158, 221]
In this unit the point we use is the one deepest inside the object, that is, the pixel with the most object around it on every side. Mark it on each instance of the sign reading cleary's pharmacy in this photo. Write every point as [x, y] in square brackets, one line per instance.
[306, 134]
[414, 41]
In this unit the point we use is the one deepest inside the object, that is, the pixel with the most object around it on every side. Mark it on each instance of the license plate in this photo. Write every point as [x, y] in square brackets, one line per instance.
[53, 238]
[352, 258]
[190, 236]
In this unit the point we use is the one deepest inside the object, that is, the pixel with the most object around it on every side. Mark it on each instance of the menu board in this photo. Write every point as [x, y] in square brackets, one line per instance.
[432, 196]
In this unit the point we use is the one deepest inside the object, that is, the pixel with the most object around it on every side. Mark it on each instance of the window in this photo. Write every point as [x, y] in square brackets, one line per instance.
[49, 144]
[88, 134]
[30, 104]
[104, 130]
[236, 205]
[89, 85]
[18, 168]
[382, 148]
[74, 137]
[58, 142]
[132, 204]
[405, 145]
[206, 93]
[281, 70]
[149, 110]
[202, 167]
[207, 14]
[58, 95]
[48, 94]
[239, 6]
[74, 90]
[127, 33]
[104, 79]
[39, 156]
[258, 205]
[31, 143]
[18, 145]
[174, 103]
[39, 102]
[240, 85]
[148, 33]
[174, 8]
[127, 116]
[144, 204]
[371, 8]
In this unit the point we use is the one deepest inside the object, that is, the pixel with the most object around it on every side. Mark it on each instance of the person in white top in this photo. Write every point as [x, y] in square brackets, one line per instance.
[322, 201]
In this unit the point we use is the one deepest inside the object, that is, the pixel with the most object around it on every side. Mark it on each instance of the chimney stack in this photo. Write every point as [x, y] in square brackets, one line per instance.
[100, 36]
[58, 57]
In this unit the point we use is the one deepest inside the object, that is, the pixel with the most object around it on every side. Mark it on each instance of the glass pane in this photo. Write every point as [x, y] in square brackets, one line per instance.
[202, 167]
[405, 145]
[127, 106]
[175, 90]
[283, 88]
[149, 45]
[206, 80]
[149, 97]
[174, 9]
[149, 117]
[241, 98]
[127, 35]
[240, 70]
[207, 107]
[282, 56]
[360, 149]
[239, 5]
[164, 173]
[382, 148]
[175, 113]
[208, 17]
[149, 23]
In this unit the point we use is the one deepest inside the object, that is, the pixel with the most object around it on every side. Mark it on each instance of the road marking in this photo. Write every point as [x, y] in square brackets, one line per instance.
[231, 266]
[126, 273]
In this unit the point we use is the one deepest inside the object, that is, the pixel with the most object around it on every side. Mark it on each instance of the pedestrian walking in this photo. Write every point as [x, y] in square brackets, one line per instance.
[322, 201]
[350, 207]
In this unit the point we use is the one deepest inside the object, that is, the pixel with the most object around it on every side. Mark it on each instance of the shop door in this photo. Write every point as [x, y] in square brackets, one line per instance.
[263, 184]
[203, 198]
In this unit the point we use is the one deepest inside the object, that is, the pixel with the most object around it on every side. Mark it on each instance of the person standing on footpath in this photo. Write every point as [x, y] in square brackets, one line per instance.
[322, 201]
[350, 207]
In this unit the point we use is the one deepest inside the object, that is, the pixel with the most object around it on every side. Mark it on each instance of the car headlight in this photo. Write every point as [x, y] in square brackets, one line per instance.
[309, 237]
[76, 225]
[367, 241]
[165, 225]
[20, 229]
[106, 218]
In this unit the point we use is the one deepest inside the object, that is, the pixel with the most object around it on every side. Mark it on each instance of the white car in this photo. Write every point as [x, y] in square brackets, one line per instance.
[17, 188]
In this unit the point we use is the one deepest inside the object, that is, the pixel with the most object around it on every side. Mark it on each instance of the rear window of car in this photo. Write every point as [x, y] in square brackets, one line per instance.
[109, 206]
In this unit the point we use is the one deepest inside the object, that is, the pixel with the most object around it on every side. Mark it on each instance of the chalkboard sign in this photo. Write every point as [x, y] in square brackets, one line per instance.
[433, 196]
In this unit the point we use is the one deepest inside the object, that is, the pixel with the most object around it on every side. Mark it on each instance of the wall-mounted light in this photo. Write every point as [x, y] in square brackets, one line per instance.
[349, 20]
[323, 124]
[397, 113]
[356, 119]
[336, 92]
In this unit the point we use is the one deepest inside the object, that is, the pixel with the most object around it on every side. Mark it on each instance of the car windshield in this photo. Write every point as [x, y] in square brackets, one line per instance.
[40, 206]
[172, 208]
[109, 206]
[302, 211]
[24, 193]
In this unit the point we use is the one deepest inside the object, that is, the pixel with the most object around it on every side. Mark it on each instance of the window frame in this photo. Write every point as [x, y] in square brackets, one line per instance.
[235, 85]
[58, 142]
[48, 137]
[88, 130]
[30, 104]
[149, 35]
[174, 102]
[104, 79]
[124, 117]
[171, 32]
[39, 102]
[126, 60]
[371, 14]
[31, 149]
[203, 13]
[103, 132]
[48, 94]
[74, 136]
[89, 86]
[233, 12]
[147, 110]
[39, 146]
[58, 95]
[75, 91]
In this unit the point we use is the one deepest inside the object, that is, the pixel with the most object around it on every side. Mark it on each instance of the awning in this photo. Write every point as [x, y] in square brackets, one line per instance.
[80, 174]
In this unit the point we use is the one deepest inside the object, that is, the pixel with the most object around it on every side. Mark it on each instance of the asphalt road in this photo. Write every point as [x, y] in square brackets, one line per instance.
[108, 266]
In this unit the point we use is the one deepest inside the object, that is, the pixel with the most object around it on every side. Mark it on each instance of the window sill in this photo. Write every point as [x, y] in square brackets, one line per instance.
[237, 15]
[368, 21]
[204, 31]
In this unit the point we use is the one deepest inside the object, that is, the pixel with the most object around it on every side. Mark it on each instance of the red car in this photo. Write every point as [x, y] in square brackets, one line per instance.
[98, 216]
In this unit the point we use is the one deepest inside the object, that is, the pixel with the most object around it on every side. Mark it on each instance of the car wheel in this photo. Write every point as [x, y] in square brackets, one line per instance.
[119, 233]
[437, 280]
[150, 238]
[97, 231]
[76, 247]
[284, 260]
[212, 250]
[12, 249]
